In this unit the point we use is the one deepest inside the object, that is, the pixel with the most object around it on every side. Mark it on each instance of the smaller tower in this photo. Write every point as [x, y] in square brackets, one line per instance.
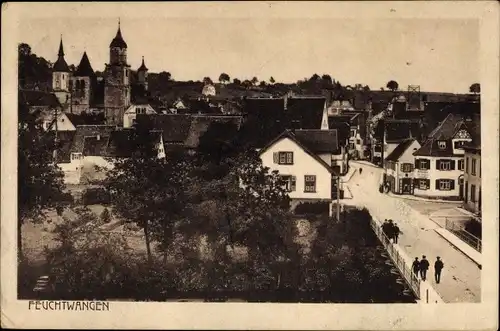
[61, 77]
[142, 75]
[82, 86]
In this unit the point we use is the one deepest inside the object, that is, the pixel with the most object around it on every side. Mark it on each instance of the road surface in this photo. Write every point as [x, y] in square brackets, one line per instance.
[460, 278]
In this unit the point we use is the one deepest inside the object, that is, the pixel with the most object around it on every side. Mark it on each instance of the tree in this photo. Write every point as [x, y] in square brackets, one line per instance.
[254, 80]
[271, 80]
[366, 88]
[475, 88]
[262, 84]
[105, 216]
[33, 71]
[145, 189]
[40, 181]
[392, 85]
[236, 81]
[327, 80]
[247, 84]
[224, 78]
[207, 80]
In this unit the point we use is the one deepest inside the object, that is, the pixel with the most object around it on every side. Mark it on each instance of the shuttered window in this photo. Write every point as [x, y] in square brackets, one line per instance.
[283, 157]
[310, 183]
[445, 165]
[406, 167]
[422, 184]
[445, 184]
[422, 164]
[289, 182]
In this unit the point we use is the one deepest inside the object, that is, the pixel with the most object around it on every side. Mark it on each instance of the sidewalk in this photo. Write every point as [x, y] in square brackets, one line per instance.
[365, 163]
[412, 197]
[460, 245]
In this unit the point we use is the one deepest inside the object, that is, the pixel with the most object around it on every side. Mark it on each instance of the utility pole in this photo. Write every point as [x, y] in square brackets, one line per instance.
[338, 197]
[55, 139]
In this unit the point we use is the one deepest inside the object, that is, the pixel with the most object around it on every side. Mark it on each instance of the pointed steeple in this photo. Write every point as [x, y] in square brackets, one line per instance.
[143, 66]
[84, 68]
[61, 49]
[60, 65]
[118, 40]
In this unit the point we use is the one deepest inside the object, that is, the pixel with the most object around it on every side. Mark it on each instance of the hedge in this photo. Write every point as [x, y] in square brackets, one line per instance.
[314, 208]
[93, 196]
[474, 227]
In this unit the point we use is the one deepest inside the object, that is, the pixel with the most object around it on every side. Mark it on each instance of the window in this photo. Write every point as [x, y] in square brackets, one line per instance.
[442, 144]
[445, 184]
[473, 167]
[310, 183]
[140, 110]
[473, 193]
[406, 167]
[290, 182]
[422, 164]
[443, 164]
[460, 164]
[283, 157]
[126, 73]
[467, 165]
[358, 141]
[353, 133]
[351, 146]
[423, 184]
[76, 156]
[459, 144]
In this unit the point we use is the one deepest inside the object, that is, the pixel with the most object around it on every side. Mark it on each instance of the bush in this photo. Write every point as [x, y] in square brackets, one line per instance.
[93, 196]
[105, 216]
[314, 208]
[473, 227]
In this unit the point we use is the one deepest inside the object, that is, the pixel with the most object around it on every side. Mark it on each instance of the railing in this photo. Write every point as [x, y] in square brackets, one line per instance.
[458, 230]
[408, 275]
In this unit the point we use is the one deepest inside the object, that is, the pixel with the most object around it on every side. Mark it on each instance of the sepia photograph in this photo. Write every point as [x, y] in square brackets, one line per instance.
[271, 160]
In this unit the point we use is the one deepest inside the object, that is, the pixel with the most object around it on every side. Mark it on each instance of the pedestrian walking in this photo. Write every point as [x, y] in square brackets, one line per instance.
[416, 266]
[396, 233]
[386, 228]
[438, 266]
[391, 230]
[360, 170]
[424, 266]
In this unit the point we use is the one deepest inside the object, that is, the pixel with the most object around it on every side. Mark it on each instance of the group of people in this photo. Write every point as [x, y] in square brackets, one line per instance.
[423, 265]
[391, 230]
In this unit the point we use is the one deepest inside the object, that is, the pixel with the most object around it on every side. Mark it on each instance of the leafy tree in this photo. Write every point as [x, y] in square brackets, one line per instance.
[475, 88]
[254, 80]
[164, 77]
[262, 84]
[207, 80]
[271, 80]
[247, 84]
[315, 78]
[366, 88]
[236, 81]
[224, 78]
[327, 80]
[40, 181]
[33, 71]
[392, 85]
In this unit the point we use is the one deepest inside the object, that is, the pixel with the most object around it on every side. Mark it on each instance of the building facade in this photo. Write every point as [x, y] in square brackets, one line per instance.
[399, 167]
[472, 179]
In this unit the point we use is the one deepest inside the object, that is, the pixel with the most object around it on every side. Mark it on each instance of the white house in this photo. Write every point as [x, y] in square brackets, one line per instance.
[303, 159]
[399, 167]
[439, 163]
[63, 122]
[131, 113]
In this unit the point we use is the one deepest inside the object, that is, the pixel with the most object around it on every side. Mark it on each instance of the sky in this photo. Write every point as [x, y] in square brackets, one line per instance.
[438, 54]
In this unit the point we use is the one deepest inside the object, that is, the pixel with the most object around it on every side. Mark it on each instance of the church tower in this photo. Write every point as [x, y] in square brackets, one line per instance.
[61, 77]
[117, 81]
[142, 75]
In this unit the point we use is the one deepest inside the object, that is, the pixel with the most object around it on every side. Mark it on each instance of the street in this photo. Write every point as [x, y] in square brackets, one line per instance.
[460, 278]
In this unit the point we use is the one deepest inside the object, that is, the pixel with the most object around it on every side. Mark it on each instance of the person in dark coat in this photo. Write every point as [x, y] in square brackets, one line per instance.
[438, 266]
[391, 230]
[396, 232]
[360, 170]
[416, 266]
[386, 227]
[424, 266]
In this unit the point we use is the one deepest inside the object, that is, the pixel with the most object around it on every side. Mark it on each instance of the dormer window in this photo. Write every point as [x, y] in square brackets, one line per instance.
[442, 144]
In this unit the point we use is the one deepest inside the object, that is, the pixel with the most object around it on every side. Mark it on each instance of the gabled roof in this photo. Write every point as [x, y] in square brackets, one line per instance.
[399, 130]
[289, 134]
[84, 131]
[118, 39]
[84, 68]
[200, 124]
[446, 130]
[318, 141]
[86, 119]
[399, 150]
[305, 113]
[343, 128]
[60, 65]
[34, 98]
[175, 128]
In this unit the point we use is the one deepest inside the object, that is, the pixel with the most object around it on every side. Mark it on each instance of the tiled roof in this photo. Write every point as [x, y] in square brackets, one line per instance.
[289, 134]
[175, 128]
[318, 141]
[201, 124]
[399, 130]
[33, 98]
[85, 131]
[84, 119]
[399, 150]
[305, 113]
[65, 139]
[84, 68]
[121, 142]
[95, 146]
[446, 130]
[343, 129]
